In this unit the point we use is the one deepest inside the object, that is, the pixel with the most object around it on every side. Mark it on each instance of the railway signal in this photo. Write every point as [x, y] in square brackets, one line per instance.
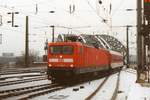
[147, 8]
[12, 18]
[142, 34]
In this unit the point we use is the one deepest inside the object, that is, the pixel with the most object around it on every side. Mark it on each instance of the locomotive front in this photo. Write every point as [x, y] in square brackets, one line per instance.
[62, 59]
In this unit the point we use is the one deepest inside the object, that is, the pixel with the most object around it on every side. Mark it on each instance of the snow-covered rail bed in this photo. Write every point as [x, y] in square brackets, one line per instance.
[22, 75]
[126, 89]
[107, 90]
[130, 70]
[29, 92]
[7, 71]
[83, 90]
[30, 79]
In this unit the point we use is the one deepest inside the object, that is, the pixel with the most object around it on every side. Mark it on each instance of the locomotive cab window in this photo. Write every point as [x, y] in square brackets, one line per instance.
[67, 49]
[55, 49]
[61, 49]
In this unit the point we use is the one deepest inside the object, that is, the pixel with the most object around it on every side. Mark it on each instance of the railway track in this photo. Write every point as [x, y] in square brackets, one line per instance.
[20, 76]
[91, 96]
[22, 81]
[32, 91]
[114, 96]
[99, 87]
[29, 92]
[20, 71]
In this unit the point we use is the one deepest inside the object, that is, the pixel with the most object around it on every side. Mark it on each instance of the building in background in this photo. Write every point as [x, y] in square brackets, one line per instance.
[7, 59]
[8, 55]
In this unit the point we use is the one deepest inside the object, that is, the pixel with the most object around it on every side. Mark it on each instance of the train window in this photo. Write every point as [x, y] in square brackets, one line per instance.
[61, 49]
[56, 49]
[67, 49]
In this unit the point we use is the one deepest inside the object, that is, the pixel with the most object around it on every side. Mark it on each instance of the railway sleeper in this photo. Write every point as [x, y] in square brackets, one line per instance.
[24, 91]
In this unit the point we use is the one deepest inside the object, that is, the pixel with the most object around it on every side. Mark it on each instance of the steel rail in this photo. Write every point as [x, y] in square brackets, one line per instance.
[99, 87]
[20, 76]
[22, 81]
[25, 90]
[114, 96]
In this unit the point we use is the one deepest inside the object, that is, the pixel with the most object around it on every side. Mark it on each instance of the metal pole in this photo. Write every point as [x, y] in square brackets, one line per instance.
[26, 44]
[139, 39]
[148, 59]
[12, 24]
[52, 33]
[148, 74]
[1, 22]
[127, 37]
[148, 65]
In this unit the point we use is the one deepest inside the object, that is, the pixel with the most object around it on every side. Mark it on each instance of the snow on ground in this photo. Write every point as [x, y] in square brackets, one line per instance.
[16, 75]
[131, 90]
[128, 90]
[69, 94]
[127, 80]
[10, 79]
[34, 83]
[18, 78]
[108, 89]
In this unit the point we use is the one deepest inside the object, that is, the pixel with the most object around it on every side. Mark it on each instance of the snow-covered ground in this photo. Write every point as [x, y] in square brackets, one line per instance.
[107, 90]
[16, 75]
[69, 94]
[9, 87]
[128, 90]
[13, 77]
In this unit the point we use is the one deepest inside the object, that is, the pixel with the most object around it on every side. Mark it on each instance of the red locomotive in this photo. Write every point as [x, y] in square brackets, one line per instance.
[73, 59]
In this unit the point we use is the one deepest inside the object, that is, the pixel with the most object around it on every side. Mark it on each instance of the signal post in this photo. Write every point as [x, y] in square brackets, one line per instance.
[143, 38]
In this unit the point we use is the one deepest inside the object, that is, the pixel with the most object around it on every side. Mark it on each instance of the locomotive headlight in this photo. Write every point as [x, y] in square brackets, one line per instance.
[60, 56]
[71, 65]
[50, 65]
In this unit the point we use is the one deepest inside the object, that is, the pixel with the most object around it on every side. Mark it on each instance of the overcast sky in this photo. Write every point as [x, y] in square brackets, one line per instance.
[88, 15]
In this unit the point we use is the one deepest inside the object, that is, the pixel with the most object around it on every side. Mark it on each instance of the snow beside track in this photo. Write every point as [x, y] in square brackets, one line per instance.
[128, 89]
[25, 85]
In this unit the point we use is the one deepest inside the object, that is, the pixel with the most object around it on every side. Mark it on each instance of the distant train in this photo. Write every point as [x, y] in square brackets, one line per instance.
[74, 59]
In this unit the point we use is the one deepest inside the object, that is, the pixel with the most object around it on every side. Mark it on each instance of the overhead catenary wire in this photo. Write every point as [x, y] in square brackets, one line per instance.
[31, 15]
[118, 7]
[23, 12]
[10, 8]
[46, 22]
[105, 10]
[65, 27]
[102, 19]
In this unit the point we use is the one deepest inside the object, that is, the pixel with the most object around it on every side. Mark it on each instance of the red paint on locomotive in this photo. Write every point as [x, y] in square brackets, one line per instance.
[80, 59]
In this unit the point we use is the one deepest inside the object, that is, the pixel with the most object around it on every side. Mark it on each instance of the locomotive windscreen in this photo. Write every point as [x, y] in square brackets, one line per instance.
[61, 49]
